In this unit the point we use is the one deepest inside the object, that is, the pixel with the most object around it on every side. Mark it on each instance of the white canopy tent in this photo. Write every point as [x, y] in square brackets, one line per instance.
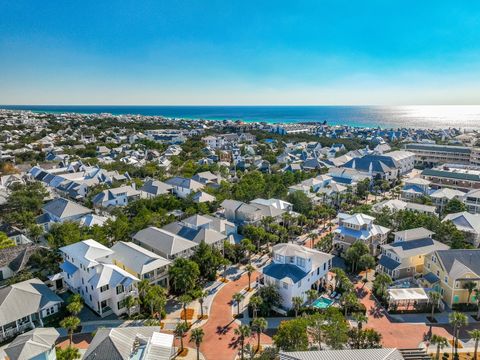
[407, 296]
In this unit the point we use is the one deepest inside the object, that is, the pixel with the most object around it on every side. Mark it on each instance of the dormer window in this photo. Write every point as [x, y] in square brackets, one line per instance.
[300, 262]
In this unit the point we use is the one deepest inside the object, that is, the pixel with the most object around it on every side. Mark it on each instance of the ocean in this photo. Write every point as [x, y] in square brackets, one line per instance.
[431, 116]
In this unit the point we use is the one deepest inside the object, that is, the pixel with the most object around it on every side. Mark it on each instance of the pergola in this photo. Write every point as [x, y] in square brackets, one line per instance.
[406, 297]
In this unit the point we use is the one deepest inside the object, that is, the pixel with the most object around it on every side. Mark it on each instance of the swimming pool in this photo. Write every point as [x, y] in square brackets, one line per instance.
[322, 302]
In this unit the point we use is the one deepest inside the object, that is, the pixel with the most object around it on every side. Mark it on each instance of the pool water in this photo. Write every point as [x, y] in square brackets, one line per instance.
[322, 302]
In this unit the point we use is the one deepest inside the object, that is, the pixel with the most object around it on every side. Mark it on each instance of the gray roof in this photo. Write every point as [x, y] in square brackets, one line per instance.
[439, 148]
[156, 187]
[197, 235]
[163, 241]
[451, 259]
[184, 183]
[16, 257]
[63, 208]
[25, 298]
[451, 174]
[118, 344]
[137, 258]
[32, 343]
[354, 354]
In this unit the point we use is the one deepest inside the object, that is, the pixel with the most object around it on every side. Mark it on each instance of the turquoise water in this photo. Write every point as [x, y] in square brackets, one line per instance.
[322, 303]
[365, 116]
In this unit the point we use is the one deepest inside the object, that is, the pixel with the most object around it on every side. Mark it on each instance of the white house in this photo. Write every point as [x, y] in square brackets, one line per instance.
[359, 227]
[120, 196]
[88, 270]
[294, 270]
[182, 187]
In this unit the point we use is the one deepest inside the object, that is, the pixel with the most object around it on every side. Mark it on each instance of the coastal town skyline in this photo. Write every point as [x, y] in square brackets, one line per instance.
[219, 53]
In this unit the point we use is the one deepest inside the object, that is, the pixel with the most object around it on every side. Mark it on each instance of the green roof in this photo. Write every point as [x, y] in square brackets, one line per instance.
[443, 148]
[450, 174]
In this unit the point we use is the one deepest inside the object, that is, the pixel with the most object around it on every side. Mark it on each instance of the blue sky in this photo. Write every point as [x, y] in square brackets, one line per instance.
[240, 52]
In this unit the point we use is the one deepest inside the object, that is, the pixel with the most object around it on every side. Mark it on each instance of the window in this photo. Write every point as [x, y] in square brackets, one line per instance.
[285, 285]
[300, 262]
[104, 288]
[121, 304]
[445, 278]
[120, 289]
[90, 298]
[300, 283]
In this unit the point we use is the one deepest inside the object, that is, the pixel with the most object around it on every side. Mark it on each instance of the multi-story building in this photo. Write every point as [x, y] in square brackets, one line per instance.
[432, 155]
[88, 270]
[463, 178]
[359, 227]
[141, 263]
[472, 201]
[447, 271]
[295, 269]
[120, 196]
[404, 258]
[467, 223]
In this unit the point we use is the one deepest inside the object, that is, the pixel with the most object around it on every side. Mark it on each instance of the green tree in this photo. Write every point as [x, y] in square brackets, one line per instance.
[184, 274]
[243, 332]
[297, 303]
[270, 298]
[5, 241]
[156, 299]
[475, 334]
[292, 335]
[62, 234]
[300, 201]
[255, 302]
[312, 295]
[457, 320]
[196, 337]
[250, 269]
[315, 328]
[366, 262]
[185, 300]
[69, 353]
[336, 329]
[70, 323]
[130, 302]
[258, 326]
[180, 330]
[454, 206]
[250, 186]
[237, 299]
[75, 304]
[440, 342]
[434, 297]
[381, 283]
[209, 261]
[355, 252]
[470, 286]
[349, 300]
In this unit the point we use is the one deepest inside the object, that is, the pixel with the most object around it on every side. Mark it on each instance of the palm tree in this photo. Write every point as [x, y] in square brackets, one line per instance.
[130, 302]
[475, 334]
[249, 268]
[197, 337]
[243, 332]
[237, 299]
[70, 323]
[311, 295]
[259, 325]
[349, 299]
[201, 299]
[441, 343]
[75, 307]
[457, 320]
[312, 236]
[143, 287]
[469, 286]
[185, 300]
[297, 303]
[156, 298]
[255, 302]
[477, 298]
[360, 318]
[435, 297]
[69, 353]
[180, 330]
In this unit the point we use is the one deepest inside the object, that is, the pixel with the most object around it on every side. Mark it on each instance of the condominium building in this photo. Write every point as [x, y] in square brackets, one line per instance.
[433, 155]
[463, 178]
